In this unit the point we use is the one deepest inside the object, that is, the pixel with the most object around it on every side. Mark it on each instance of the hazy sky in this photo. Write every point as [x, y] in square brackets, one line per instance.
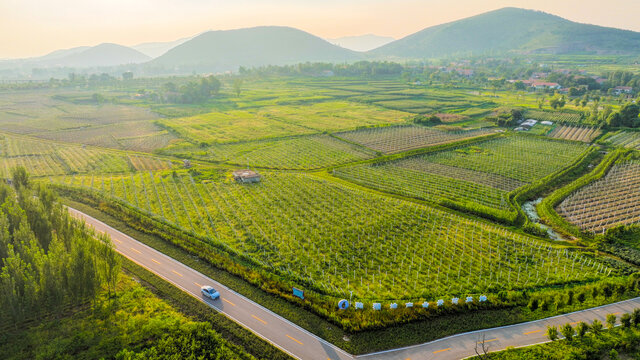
[36, 27]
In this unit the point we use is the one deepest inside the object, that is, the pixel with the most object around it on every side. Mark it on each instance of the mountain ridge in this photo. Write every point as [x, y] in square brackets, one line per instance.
[227, 50]
[512, 30]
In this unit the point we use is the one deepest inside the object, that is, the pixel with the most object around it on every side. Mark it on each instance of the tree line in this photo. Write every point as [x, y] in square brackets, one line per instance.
[48, 260]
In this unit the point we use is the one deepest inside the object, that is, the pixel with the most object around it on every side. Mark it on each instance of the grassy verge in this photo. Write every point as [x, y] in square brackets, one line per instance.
[130, 324]
[405, 333]
[190, 306]
[620, 342]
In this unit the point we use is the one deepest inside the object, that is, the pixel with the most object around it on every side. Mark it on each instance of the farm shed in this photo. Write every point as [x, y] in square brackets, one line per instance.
[246, 176]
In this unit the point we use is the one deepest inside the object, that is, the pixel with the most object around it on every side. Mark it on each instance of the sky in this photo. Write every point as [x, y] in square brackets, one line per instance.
[36, 27]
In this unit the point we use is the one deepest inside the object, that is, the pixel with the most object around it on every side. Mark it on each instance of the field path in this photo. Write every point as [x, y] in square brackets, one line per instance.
[302, 344]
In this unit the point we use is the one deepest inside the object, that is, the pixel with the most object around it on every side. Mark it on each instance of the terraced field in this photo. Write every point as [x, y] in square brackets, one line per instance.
[481, 174]
[576, 133]
[395, 139]
[335, 239]
[608, 202]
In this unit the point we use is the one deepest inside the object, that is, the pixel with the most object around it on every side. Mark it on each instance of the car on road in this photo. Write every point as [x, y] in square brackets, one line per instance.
[210, 292]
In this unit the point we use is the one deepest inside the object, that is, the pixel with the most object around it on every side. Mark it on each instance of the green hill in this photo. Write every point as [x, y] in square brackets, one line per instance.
[512, 30]
[258, 46]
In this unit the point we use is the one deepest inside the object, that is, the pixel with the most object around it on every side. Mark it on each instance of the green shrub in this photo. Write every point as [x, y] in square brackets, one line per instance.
[625, 320]
[567, 331]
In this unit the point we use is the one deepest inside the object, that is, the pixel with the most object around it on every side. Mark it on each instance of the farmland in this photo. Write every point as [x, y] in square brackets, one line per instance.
[610, 201]
[333, 238]
[73, 117]
[242, 125]
[627, 139]
[576, 133]
[44, 158]
[561, 117]
[357, 195]
[483, 173]
[299, 152]
[395, 139]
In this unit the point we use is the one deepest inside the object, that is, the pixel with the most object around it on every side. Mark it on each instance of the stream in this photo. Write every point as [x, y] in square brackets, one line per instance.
[529, 208]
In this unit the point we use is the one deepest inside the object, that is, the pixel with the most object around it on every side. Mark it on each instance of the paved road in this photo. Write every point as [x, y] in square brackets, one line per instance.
[302, 344]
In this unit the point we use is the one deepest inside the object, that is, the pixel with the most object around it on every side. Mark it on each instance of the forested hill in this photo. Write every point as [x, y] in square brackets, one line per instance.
[512, 30]
[266, 45]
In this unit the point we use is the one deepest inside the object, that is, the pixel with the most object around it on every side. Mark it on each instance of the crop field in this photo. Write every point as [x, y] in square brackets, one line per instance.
[43, 158]
[554, 116]
[627, 139]
[230, 126]
[608, 202]
[39, 111]
[397, 95]
[271, 122]
[483, 173]
[576, 133]
[119, 136]
[336, 115]
[300, 152]
[395, 139]
[335, 239]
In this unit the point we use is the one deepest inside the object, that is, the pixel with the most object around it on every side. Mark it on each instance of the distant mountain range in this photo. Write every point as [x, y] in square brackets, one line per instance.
[103, 55]
[361, 42]
[504, 31]
[257, 46]
[512, 30]
[155, 49]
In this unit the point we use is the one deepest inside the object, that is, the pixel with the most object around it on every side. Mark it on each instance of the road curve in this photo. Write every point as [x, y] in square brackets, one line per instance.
[302, 344]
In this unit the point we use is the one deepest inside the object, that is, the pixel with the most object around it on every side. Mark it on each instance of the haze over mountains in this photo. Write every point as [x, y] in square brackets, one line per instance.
[155, 49]
[103, 55]
[361, 42]
[504, 31]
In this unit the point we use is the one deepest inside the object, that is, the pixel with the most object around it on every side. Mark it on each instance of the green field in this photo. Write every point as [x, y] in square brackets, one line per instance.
[483, 173]
[44, 158]
[299, 152]
[271, 122]
[334, 239]
[611, 201]
[395, 139]
[73, 117]
[627, 139]
[356, 196]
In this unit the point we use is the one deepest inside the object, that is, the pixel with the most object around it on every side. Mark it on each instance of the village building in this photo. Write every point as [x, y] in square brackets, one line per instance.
[619, 90]
[246, 176]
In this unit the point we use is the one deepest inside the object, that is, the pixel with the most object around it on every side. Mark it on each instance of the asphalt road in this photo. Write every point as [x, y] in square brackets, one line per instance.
[302, 344]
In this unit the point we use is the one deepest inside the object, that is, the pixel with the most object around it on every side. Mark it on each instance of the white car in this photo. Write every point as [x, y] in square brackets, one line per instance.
[209, 292]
